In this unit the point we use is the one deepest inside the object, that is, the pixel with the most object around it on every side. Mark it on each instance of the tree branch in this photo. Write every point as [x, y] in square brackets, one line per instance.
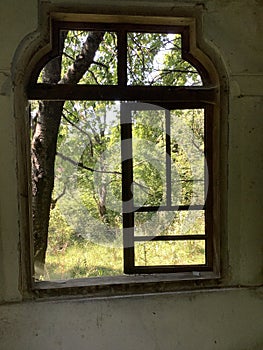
[101, 64]
[81, 165]
[54, 201]
[84, 59]
[75, 126]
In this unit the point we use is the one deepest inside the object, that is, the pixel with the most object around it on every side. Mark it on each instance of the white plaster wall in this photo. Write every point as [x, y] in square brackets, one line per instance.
[17, 19]
[207, 320]
[229, 319]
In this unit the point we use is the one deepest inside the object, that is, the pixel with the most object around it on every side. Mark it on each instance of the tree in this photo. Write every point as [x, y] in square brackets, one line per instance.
[44, 140]
[152, 59]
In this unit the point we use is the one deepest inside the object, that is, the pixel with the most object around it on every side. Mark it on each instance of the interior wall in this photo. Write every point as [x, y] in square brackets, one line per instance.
[228, 317]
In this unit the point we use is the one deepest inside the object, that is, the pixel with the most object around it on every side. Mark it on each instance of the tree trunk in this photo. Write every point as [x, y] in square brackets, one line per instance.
[44, 143]
[43, 159]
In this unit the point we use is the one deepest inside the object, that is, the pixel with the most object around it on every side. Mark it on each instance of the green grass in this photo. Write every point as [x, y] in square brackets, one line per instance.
[87, 259]
[71, 256]
[83, 260]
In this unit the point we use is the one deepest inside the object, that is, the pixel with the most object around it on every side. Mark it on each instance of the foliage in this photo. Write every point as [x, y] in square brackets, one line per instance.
[104, 68]
[156, 59]
[85, 235]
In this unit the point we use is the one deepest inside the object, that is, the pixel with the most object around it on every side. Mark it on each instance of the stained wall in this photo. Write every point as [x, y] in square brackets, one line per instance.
[228, 317]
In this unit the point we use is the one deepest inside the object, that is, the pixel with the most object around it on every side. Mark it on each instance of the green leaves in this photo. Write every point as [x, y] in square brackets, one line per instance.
[156, 59]
[103, 70]
[152, 59]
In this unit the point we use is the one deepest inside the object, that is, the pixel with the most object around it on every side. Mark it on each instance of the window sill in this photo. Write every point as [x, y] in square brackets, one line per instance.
[125, 285]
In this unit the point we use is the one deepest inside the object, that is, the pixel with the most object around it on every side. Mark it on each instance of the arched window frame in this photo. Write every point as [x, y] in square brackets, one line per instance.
[206, 96]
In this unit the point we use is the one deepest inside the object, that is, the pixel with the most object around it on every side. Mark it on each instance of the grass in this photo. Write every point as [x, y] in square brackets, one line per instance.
[71, 256]
[83, 260]
[87, 259]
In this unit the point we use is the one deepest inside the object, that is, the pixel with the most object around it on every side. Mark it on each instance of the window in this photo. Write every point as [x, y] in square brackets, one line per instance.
[124, 143]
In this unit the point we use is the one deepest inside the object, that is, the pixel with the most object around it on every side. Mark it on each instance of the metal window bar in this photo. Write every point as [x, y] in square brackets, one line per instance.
[169, 208]
[129, 209]
[170, 238]
[168, 158]
[122, 58]
[127, 183]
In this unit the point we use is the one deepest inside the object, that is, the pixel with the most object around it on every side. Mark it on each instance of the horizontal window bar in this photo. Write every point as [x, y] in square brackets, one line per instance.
[166, 269]
[123, 27]
[169, 208]
[170, 238]
[152, 94]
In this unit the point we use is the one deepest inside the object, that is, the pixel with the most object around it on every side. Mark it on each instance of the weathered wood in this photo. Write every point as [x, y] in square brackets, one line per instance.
[175, 94]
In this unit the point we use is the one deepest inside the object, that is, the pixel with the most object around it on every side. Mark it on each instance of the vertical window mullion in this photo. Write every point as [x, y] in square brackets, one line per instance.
[168, 158]
[208, 140]
[127, 188]
[122, 58]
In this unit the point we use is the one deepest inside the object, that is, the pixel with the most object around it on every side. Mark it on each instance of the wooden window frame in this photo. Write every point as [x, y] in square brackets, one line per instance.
[206, 96]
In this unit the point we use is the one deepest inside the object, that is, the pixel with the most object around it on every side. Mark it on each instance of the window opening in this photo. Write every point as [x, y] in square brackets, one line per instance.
[121, 120]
